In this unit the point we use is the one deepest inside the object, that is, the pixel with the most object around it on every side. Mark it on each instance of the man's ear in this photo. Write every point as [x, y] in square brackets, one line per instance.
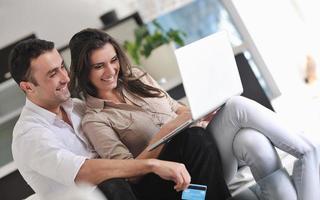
[27, 87]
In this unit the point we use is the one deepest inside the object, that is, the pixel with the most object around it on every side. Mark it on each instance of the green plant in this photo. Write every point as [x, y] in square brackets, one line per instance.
[145, 42]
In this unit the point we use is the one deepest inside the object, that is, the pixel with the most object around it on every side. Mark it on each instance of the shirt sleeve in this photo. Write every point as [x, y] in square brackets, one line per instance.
[147, 79]
[104, 139]
[45, 156]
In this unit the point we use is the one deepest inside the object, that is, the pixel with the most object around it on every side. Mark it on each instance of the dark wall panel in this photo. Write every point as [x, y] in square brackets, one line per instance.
[13, 187]
[251, 86]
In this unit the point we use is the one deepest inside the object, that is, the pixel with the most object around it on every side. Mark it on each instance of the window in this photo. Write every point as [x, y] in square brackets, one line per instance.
[201, 18]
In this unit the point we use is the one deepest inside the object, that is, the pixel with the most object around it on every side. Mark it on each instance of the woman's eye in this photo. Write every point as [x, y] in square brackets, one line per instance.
[115, 59]
[98, 66]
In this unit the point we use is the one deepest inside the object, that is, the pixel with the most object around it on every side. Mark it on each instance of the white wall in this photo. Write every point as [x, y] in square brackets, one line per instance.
[55, 20]
[58, 20]
[309, 12]
[283, 41]
[279, 36]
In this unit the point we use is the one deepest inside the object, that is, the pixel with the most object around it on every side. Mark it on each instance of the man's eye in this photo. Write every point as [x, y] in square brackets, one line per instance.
[52, 75]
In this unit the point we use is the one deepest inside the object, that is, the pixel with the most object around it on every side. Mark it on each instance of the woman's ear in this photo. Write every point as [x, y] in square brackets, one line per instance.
[26, 86]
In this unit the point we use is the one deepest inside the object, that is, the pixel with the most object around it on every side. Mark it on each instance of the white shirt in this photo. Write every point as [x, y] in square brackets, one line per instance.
[47, 151]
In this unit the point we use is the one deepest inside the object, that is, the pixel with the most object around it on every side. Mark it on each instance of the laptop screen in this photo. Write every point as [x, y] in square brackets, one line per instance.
[209, 73]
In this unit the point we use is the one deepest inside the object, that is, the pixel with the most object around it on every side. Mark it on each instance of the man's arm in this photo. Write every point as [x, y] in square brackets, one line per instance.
[95, 171]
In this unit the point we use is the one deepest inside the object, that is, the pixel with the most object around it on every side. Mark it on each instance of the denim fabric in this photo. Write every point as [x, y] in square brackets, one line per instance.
[255, 150]
[241, 113]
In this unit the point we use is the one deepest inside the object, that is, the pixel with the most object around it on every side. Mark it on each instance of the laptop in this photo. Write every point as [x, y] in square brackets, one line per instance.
[210, 77]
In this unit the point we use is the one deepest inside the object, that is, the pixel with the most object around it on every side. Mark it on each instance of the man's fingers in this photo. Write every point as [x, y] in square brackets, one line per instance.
[175, 172]
[183, 178]
[187, 179]
[179, 178]
[179, 182]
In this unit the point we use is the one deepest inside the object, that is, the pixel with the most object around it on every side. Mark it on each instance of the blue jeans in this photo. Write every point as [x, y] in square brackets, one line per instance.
[246, 133]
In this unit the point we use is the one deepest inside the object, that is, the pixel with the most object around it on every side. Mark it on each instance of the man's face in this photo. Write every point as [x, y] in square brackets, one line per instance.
[49, 71]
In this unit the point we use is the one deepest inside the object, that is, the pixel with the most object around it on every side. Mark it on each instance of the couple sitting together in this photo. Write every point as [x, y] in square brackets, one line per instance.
[59, 142]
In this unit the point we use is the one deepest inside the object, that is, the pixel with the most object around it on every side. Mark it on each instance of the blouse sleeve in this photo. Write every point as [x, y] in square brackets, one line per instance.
[147, 79]
[104, 139]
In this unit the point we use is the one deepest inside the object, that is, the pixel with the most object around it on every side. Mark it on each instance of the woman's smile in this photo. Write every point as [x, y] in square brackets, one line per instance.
[109, 78]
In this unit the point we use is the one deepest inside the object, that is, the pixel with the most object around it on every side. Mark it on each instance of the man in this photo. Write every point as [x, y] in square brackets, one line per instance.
[48, 145]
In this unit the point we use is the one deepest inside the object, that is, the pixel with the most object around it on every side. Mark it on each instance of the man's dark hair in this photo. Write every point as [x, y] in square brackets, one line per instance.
[21, 55]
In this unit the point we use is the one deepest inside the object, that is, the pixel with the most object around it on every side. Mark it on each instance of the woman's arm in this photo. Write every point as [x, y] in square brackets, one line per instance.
[182, 109]
[104, 139]
[183, 113]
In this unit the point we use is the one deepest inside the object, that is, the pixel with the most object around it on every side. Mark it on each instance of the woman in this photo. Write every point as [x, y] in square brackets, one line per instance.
[127, 111]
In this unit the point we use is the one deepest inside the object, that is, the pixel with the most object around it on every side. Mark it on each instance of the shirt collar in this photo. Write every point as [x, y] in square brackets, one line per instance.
[134, 99]
[49, 116]
[95, 103]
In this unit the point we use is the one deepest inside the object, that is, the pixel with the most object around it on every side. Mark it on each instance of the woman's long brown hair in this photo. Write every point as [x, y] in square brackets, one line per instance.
[82, 44]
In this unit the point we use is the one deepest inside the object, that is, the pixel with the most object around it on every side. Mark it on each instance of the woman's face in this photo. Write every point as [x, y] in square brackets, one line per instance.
[105, 69]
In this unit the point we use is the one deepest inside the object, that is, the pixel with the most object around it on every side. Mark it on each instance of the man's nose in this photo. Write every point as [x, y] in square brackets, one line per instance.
[64, 76]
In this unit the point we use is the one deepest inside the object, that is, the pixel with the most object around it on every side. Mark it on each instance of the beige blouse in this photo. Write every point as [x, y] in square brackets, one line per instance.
[122, 131]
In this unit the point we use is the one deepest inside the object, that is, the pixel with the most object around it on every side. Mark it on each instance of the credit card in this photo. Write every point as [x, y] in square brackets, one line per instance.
[194, 192]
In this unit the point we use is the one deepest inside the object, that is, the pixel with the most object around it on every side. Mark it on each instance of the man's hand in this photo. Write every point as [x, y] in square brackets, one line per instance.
[173, 171]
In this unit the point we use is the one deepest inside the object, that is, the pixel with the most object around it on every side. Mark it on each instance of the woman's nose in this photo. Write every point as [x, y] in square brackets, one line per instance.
[108, 70]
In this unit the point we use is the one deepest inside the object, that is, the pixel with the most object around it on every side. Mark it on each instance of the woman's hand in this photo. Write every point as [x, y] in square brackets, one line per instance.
[204, 121]
[180, 119]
